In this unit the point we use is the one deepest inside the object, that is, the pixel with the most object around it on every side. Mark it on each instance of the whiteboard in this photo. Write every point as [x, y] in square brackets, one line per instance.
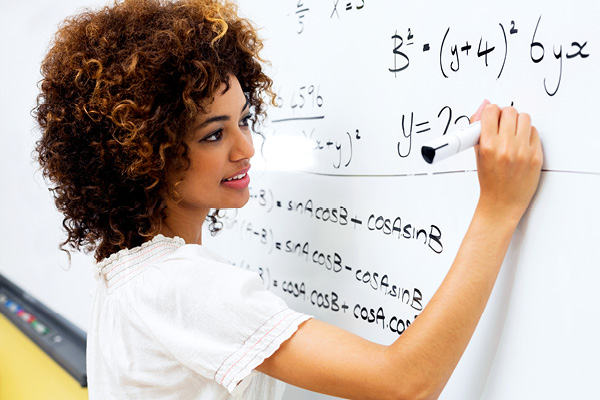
[342, 151]
[348, 223]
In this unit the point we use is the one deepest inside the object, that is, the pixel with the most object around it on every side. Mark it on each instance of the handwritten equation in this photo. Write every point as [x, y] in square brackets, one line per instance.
[301, 11]
[328, 300]
[306, 254]
[337, 149]
[490, 52]
[411, 125]
[304, 104]
[390, 226]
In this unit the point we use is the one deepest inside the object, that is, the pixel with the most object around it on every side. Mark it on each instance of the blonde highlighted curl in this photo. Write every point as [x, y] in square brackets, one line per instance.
[120, 87]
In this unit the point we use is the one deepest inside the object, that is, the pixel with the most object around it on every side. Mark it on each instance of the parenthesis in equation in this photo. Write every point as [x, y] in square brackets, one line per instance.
[268, 271]
[441, 52]
[350, 157]
[262, 145]
[505, 50]
[272, 199]
[272, 241]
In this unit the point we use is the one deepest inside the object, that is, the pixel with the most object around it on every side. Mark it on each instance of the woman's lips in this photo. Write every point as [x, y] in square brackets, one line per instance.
[240, 180]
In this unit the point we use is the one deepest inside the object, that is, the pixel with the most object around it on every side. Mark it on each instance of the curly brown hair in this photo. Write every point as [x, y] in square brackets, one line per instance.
[120, 87]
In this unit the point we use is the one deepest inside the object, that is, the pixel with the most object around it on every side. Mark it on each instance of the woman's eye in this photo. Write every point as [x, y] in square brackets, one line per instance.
[213, 137]
[246, 120]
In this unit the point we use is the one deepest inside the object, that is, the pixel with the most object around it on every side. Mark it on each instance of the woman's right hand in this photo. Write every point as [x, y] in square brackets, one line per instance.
[509, 161]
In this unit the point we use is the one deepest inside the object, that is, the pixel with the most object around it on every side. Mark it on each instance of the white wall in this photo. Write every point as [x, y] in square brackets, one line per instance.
[29, 254]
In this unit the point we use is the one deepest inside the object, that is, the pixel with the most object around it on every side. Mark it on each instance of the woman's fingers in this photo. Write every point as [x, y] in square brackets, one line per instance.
[508, 159]
[508, 123]
[477, 116]
[490, 121]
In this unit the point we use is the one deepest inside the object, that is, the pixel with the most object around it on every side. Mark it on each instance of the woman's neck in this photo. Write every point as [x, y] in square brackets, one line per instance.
[185, 223]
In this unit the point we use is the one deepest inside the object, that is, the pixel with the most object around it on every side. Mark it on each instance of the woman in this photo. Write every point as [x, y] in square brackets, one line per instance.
[145, 112]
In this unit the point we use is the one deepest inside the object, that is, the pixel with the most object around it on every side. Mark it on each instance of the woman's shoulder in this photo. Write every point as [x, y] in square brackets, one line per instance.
[166, 259]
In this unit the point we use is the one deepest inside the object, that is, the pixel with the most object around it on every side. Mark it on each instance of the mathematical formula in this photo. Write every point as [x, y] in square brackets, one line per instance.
[390, 226]
[302, 11]
[331, 301]
[337, 150]
[490, 52]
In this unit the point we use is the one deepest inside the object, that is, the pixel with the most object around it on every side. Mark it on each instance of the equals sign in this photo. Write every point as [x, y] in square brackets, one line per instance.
[278, 245]
[275, 283]
[278, 204]
[426, 47]
[421, 124]
[349, 6]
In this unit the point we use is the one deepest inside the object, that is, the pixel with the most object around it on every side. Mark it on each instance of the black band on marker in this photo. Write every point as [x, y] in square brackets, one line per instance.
[428, 153]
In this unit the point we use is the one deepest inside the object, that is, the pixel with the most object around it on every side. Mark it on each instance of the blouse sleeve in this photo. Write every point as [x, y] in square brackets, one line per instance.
[214, 318]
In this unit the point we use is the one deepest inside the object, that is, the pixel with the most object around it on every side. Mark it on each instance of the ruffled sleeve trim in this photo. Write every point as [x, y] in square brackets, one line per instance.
[259, 346]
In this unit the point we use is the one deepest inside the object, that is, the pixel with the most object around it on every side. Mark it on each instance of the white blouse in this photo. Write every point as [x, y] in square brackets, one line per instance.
[175, 321]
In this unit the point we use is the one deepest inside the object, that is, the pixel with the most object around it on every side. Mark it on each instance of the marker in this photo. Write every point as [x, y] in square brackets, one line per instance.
[451, 143]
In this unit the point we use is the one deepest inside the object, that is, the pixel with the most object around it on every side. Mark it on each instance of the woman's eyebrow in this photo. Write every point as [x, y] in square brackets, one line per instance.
[217, 118]
[213, 119]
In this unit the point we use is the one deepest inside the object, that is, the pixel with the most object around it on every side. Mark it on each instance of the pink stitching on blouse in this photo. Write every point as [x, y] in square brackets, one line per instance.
[113, 282]
[254, 345]
[137, 256]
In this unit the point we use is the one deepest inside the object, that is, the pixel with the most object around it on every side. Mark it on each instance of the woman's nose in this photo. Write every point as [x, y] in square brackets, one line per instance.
[243, 146]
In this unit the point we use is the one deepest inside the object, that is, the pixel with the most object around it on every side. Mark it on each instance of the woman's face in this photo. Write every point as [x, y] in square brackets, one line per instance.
[220, 148]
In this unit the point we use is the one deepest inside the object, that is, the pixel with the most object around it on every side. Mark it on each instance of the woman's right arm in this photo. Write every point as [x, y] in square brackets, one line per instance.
[326, 359]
